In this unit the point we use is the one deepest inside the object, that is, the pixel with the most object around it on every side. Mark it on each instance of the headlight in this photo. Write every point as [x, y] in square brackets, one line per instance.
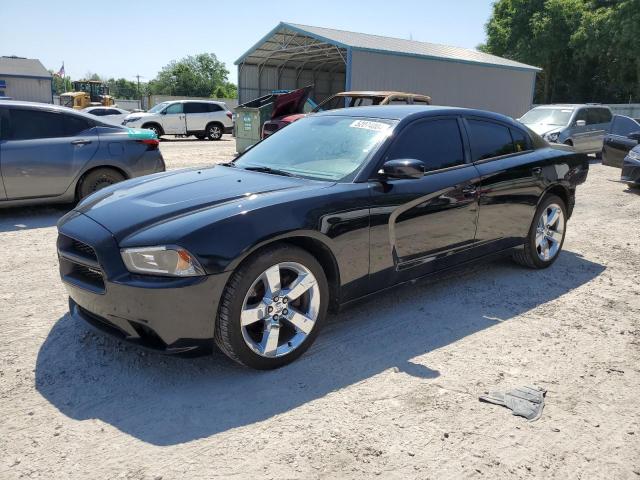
[161, 260]
[129, 120]
[553, 137]
[633, 155]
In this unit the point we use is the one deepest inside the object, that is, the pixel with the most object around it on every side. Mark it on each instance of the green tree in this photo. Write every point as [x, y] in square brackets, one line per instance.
[123, 88]
[193, 76]
[586, 48]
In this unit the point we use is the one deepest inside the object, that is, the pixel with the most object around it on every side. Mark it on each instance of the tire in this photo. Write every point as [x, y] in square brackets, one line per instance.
[272, 331]
[157, 129]
[542, 232]
[97, 179]
[214, 131]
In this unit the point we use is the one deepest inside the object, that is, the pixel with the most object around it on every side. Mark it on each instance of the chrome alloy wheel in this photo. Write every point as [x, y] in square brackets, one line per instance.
[280, 309]
[549, 232]
[215, 132]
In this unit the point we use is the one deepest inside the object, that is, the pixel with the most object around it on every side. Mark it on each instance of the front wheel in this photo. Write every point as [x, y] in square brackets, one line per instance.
[546, 235]
[272, 308]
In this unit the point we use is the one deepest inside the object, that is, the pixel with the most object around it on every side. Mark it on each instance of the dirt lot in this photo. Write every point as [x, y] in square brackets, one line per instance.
[390, 388]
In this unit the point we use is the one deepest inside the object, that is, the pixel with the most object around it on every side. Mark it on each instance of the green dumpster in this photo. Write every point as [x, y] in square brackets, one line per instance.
[249, 119]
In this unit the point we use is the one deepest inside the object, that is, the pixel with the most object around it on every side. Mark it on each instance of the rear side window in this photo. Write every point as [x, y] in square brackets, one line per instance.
[32, 124]
[489, 140]
[521, 140]
[623, 126]
[399, 101]
[436, 142]
[99, 112]
[214, 107]
[194, 107]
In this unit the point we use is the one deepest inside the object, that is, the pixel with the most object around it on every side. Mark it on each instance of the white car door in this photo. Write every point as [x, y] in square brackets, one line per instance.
[197, 114]
[173, 119]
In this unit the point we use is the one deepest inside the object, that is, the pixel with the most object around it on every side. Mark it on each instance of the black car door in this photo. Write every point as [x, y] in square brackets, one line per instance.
[617, 142]
[426, 224]
[511, 182]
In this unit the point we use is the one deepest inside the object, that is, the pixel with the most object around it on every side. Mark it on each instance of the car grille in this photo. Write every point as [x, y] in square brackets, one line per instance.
[79, 264]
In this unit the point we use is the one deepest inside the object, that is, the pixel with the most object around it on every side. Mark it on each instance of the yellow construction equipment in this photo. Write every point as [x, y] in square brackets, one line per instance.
[87, 93]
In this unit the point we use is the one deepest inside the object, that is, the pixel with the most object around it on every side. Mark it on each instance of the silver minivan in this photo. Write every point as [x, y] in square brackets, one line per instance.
[582, 127]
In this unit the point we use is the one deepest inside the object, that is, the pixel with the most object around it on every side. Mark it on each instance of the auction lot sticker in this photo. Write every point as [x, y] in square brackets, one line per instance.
[369, 125]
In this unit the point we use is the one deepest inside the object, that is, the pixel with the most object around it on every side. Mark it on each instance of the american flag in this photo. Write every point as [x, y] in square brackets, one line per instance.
[61, 71]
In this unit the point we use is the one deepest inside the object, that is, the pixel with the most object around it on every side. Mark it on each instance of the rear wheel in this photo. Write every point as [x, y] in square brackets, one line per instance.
[546, 235]
[273, 308]
[98, 179]
[214, 131]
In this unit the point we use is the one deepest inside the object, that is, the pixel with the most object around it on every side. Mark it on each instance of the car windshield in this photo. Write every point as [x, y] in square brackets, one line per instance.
[547, 116]
[319, 147]
[158, 107]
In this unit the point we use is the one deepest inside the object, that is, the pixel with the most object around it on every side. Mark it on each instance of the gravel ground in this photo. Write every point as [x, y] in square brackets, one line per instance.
[390, 388]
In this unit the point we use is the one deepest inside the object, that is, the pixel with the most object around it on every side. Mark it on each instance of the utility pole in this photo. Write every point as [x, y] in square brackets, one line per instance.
[139, 94]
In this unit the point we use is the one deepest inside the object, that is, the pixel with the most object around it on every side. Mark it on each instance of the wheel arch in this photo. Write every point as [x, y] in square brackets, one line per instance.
[148, 124]
[565, 194]
[311, 243]
[84, 174]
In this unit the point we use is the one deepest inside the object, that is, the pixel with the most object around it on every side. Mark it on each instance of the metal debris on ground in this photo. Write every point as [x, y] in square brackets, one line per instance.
[526, 402]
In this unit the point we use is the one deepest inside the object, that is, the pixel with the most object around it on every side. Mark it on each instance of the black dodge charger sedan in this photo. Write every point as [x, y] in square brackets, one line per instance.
[252, 254]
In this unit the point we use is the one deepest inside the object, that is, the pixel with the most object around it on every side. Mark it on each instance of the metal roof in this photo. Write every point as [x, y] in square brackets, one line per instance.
[22, 67]
[276, 40]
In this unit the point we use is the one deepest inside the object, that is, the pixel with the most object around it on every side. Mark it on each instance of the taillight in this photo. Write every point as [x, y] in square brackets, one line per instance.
[151, 143]
[230, 115]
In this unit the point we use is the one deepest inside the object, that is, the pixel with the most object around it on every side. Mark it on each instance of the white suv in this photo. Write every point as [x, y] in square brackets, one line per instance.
[202, 118]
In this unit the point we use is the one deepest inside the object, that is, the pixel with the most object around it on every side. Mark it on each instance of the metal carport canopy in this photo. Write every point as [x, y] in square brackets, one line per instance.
[291, 45]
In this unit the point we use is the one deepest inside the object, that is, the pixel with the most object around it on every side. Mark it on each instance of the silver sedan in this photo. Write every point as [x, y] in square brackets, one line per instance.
[51, 154]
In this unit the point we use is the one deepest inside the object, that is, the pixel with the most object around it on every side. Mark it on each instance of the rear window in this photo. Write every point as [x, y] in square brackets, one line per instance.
[33, 124]
[489, 140]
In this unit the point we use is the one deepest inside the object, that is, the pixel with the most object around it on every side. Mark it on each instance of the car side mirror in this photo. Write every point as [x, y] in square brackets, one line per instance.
[408, 168]
[581, 123]
[634, 136]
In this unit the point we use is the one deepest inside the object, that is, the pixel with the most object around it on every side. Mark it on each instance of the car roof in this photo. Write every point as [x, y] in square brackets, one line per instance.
[377, 93]
[401, 112]
[572, 105]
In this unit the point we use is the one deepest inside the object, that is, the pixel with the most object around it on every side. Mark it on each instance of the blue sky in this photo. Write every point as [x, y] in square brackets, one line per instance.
[125, 38]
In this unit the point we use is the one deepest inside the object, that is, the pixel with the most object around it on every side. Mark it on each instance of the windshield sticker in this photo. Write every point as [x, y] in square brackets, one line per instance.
[566, 111]
[369, 125]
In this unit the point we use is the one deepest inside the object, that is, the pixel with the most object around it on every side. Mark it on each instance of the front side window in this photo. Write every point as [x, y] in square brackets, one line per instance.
[623, 126]
[34, 124]
[593, 116]
[437, 143]
[174, 109]
[582, 115]
[489, 140]
[331, 148]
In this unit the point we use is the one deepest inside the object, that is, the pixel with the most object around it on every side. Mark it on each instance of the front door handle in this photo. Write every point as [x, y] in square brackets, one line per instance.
[469, 190]
[81, 142]
[536, 170]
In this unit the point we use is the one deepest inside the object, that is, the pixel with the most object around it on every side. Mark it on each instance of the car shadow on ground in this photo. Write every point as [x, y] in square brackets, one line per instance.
[26, 218]
[165, 400]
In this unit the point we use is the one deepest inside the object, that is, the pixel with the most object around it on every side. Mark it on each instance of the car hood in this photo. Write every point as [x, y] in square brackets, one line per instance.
[139, 204]
[290, 103]
[139, 115]
[542, 128]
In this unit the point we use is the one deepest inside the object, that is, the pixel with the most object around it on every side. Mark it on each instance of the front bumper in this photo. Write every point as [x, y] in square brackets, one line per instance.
[630, 171]
[172, 315]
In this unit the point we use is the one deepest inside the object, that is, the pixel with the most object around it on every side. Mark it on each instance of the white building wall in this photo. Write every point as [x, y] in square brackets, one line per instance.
[501, 90]
[28, 89]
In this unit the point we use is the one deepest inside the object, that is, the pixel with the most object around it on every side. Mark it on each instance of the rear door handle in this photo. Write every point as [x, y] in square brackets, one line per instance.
[81, 142]
[536, 170]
